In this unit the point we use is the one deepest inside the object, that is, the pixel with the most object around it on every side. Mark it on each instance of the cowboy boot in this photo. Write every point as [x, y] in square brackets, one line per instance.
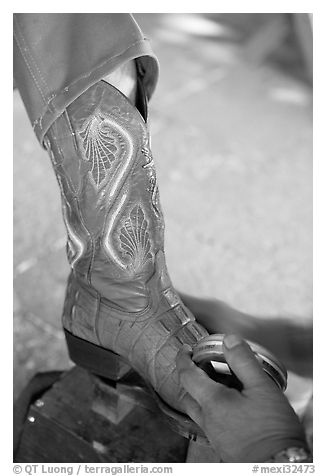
[119, 297]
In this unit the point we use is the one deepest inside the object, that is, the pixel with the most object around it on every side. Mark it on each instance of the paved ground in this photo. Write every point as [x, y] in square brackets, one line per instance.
[232, 138]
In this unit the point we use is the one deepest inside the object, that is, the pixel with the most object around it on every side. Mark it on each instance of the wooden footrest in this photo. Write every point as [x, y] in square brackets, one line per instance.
[83, 418]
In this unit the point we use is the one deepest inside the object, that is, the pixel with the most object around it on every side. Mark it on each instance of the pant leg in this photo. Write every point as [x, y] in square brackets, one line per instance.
[58, 56]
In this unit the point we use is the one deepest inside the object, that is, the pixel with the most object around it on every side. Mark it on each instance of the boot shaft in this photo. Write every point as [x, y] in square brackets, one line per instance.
[100, 152]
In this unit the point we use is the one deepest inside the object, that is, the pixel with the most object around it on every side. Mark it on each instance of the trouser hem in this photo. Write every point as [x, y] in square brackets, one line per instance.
[61, 100]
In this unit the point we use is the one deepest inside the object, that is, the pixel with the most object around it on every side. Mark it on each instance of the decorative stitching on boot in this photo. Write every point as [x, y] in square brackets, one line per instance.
[107, 239]
[149, 167]
[135, 240]
[102, 142]
[75, 245]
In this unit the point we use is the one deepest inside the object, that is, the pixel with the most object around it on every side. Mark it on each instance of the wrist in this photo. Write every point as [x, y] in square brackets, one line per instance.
[274, 451]
[293, 454]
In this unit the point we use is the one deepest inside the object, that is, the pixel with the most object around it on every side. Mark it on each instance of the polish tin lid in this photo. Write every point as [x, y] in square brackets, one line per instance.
[208, 354]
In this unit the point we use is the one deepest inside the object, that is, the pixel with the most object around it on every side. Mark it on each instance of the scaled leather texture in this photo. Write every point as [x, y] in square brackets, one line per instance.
[119, 294]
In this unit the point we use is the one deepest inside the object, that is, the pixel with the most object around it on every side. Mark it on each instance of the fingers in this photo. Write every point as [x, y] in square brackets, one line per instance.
[243, 362]
[194, 380]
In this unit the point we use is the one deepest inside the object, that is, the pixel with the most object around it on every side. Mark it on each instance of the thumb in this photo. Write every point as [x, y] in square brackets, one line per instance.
[243, 362]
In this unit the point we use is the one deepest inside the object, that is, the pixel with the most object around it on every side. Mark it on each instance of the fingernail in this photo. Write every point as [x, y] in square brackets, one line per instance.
[232, 341]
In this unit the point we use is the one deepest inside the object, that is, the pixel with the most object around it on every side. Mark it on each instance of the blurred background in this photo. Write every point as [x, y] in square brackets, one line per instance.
[231, 124]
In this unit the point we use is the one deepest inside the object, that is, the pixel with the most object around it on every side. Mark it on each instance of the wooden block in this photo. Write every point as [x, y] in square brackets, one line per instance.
[62, 426]
[110, 403]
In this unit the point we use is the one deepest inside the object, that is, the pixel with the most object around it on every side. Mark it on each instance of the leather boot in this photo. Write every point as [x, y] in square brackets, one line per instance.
[119, 295]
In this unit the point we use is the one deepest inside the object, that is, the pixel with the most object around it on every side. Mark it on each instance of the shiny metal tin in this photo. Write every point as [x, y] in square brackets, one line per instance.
[209, 350]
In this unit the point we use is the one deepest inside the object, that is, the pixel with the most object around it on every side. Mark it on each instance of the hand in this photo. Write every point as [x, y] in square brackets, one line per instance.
[247, 426]
[289, 339]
